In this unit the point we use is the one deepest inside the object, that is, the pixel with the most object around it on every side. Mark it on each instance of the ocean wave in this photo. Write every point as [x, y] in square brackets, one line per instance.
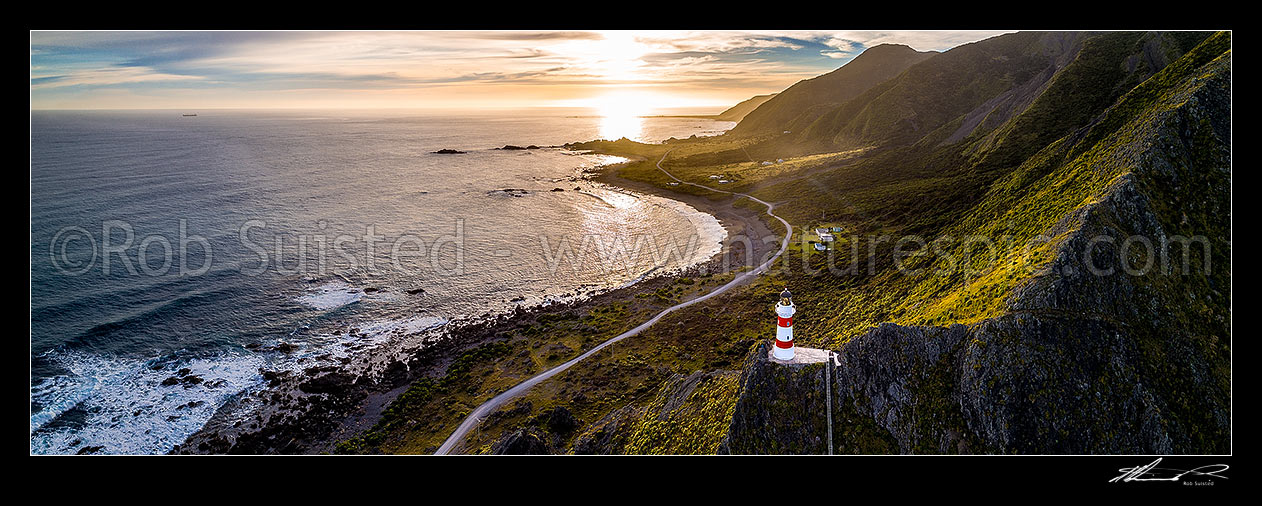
[132, 406]
[601, 160]
[106, 332]
[365, 336]
[613, 198]
[336, 294]
[137, 406]
[640, 278]
[161, 293]
[331, 295]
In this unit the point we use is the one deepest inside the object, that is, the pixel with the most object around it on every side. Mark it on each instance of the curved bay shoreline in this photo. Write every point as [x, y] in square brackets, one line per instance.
[313, 410]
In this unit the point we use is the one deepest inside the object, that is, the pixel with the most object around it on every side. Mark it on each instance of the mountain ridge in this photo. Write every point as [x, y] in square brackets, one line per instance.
[1075, 362]
[793, 105]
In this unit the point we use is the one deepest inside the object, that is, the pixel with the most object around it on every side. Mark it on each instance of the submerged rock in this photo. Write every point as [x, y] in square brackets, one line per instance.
[449, 152]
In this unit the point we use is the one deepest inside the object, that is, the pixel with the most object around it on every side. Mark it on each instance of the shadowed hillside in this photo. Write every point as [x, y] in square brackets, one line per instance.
[1035, 258]
[801, 103]
[1121, 135]
[1073, 345]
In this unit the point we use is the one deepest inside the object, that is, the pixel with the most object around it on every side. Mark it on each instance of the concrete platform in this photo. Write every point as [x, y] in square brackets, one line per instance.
[801, 356]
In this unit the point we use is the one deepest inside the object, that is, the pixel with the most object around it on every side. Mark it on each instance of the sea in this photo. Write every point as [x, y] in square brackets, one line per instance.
[174, 257]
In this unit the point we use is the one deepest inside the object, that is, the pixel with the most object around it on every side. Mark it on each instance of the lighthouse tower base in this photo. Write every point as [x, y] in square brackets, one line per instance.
[800, 356]
[779, 353]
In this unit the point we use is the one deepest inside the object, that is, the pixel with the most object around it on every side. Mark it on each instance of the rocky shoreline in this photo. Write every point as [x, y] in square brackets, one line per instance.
[312, 410]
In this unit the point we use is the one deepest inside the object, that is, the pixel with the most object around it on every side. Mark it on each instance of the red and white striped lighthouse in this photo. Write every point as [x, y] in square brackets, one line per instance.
[784, 326]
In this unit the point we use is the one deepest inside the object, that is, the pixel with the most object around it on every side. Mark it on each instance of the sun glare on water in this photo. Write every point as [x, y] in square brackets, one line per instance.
[621, 117]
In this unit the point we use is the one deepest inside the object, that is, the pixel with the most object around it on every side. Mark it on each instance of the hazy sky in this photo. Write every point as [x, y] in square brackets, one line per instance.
[489, 69]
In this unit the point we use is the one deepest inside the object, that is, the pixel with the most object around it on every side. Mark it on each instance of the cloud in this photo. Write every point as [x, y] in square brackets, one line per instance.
[246, 63]
[104, 77]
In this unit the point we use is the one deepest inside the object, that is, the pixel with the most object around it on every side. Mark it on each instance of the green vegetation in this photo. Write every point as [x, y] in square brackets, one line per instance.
[695, 426]
[420, 418]
[422, 393]
[1004, 140]
[1028, 210]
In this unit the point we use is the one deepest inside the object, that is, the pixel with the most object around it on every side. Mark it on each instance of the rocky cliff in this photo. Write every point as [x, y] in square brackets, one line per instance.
[780, 409]
[1120, 343]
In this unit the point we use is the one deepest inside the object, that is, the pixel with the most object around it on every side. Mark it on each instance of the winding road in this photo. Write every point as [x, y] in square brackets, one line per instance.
[475, 417]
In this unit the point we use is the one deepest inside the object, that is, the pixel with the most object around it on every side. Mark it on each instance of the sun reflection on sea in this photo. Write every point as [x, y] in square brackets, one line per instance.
[622, 115]
[617, 126]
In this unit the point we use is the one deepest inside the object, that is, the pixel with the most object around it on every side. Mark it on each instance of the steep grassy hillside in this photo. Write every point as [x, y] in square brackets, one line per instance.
[1056, 80]
[897, 183]
[966, 84]
[1107, 66]
[801, 103]
[1102, 325]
